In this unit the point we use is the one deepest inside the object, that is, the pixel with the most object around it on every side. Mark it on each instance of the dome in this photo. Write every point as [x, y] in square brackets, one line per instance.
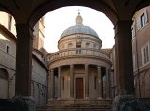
[79, 28]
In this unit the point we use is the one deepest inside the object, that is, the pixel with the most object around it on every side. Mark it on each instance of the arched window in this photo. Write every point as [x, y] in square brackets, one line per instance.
[3, 73]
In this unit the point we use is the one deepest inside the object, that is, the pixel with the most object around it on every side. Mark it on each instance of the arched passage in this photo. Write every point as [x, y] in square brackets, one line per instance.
[120, 13]
[50, 6]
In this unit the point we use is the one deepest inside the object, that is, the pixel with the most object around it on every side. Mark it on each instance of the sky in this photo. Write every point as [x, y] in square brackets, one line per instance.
[58, 20]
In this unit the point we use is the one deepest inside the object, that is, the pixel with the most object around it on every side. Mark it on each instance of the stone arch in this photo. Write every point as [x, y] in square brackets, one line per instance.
[5, 9]
[42, 9]
[8, 10]
[8, 25]
[142, 4]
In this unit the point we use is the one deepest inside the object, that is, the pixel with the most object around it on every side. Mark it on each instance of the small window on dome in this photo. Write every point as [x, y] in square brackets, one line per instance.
[78, 44]
[69, 45]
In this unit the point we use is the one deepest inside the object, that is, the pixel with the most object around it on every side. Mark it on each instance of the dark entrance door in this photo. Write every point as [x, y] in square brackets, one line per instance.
[79, 88]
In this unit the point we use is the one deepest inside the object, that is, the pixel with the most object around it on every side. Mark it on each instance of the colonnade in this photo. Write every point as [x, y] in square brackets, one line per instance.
[100, 83]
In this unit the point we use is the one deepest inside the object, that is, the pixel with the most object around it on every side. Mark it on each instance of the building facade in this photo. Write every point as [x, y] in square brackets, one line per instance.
[8, 41]
[80, 70]
[141, 52]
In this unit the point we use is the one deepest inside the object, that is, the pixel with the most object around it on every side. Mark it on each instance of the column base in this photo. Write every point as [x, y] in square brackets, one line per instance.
[130, 103]
[23, 103]
[125, 103]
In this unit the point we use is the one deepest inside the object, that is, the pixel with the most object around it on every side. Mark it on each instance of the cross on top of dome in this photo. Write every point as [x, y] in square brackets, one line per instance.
[79, 19]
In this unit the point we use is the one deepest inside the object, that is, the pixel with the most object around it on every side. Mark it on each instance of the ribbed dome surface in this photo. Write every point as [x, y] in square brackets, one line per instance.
[79, 29]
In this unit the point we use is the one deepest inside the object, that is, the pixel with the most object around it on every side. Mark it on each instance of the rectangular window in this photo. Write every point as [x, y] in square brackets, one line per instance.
[142, 20]
[78, 46]
[9, 22]
[7, 49]
[145, 54]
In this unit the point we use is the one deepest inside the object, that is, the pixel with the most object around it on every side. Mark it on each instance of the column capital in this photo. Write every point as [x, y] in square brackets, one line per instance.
[59, 68]
[98, 66]
[72, 65]
[49, 71]
[86, 65]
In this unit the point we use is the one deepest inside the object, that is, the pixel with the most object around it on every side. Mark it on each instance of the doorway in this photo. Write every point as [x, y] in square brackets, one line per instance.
[79, 88]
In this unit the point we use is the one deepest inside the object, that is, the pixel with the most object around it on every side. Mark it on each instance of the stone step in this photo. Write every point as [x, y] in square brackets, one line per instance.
[77, 105]
[75, 108]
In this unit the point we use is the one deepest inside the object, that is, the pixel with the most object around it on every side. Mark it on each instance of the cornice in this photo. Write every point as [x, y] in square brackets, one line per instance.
[79, 57]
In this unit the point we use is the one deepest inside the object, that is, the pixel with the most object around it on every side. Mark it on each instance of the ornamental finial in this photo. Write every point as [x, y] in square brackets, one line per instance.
[79, 19]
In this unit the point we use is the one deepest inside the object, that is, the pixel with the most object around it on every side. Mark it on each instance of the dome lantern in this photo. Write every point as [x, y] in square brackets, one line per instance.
[79, 19]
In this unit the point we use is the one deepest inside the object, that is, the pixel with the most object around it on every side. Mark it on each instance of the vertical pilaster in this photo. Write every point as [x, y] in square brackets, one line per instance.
[123, 48]
[23, 60]
[71, 81]
[86, 81]
[52, 84]
[99, 82]
[107, 84]
[49, 84]
[59, 82]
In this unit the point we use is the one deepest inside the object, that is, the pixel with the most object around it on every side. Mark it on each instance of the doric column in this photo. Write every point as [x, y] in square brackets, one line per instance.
[123, 48]
[23, 59]
[52, 84]
[59, 82]
[86, 81]
[107, 84]
[99, 83]
[49, 84]
[71, 81]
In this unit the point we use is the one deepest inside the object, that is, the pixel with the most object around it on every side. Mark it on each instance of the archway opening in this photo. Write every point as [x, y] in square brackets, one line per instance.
[58, 20]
